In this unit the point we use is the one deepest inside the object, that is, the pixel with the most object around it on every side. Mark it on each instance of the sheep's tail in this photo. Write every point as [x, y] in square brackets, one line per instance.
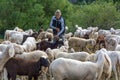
[5, 74]
[109, 63]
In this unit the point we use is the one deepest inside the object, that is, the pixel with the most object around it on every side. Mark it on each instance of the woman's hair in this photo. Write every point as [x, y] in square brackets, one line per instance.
[57, 12]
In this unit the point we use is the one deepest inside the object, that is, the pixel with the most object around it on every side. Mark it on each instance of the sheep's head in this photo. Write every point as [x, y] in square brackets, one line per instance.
[44, 61]
[50, 54]
[91, 57]
[111, 44]
[92, 42]
[64, 48]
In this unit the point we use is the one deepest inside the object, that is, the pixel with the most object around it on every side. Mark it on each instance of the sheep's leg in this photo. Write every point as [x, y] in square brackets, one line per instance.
[118, 68]
[29, 77]
[13, 77]
[43, 76]
[115, 73]
[35, 77]
[8, 77]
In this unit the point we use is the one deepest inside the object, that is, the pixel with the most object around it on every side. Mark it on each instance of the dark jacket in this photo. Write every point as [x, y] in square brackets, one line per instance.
[58, 23]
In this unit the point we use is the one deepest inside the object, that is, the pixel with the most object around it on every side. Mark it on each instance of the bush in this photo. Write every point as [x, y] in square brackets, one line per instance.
[102, 15]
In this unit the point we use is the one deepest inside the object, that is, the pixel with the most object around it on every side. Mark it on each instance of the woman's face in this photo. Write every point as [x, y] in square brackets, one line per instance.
[58, 15]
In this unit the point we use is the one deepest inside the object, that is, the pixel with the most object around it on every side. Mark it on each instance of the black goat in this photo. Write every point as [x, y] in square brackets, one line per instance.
[17, 66]
[35, 34]
[43, 45]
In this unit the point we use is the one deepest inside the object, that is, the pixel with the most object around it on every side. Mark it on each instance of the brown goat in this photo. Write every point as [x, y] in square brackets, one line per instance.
[17, 66]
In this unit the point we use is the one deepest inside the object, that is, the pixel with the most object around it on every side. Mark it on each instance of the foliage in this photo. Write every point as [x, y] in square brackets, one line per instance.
[35, 14]
[102, 15]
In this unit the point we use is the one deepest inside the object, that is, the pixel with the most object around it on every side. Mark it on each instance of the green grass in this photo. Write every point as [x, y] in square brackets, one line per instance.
[1, 36]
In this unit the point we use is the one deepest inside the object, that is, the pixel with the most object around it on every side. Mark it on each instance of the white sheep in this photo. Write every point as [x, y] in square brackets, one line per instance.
[80, 44]
[6, 55]
[16, 38]
[8, 33]
[81, 56]
[18, 29]
[68, 35]
[104, 32]
[3, 47]
[107, 65]
[91, 58]
[115, 59]
[52, 53]
[17, 48]
[34, 55]
[70, 69]
[29, 44]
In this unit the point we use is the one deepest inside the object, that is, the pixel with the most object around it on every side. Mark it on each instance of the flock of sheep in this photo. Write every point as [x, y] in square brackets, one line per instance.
[86, 54]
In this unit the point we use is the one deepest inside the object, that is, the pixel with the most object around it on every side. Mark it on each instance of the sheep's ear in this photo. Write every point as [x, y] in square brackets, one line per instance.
[11, 51]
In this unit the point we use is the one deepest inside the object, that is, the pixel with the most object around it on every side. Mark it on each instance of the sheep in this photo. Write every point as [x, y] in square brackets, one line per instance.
[81, 56]
[116, 37]
[107, 65]
[23, 67]
[80, 44]
[115, 31]
[71, 50]
[43, 45]
[77, 27]
[117, 48]
[6, 55]
[91, 58]
[3, 47]
[81, 32]
[44, 34]
[29, 44]
[52, 53]
[68, 35]
[16, 38]
[34, 55]
[29, 31]
[49, 30]
[17, 48]
[113, 45]
[18, 29]
[115, 59]
[101, 42]
[94, 35]
[6, 42]
[70, 69]
[35, 34]
[8, 33]
[104, 32]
